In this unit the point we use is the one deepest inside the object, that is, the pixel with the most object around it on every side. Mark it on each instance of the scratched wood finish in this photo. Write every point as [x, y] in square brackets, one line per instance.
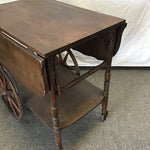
[48, 26]
[24, 66]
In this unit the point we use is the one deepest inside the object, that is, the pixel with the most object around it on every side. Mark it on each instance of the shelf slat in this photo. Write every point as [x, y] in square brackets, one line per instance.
[73, 104]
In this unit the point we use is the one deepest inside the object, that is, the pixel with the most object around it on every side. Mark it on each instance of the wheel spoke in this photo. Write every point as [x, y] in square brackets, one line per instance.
[60, 57]
[4, 82]
[13, 110]
[13, 89]
[1, 84]
[74, 61]
[65, 59]
[13, 103]
[13, 92]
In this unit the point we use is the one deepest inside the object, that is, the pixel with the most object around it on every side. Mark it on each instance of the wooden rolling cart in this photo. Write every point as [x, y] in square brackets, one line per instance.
[33, 34]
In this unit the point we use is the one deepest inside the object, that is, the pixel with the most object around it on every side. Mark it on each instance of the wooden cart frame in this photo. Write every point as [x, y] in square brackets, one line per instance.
[71, 97]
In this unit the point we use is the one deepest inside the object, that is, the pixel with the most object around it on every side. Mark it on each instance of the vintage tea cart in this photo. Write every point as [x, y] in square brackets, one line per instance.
[33, 35]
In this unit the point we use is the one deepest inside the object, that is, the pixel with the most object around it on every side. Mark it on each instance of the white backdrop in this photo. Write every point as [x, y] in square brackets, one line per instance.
[6, 1]
[135, 47]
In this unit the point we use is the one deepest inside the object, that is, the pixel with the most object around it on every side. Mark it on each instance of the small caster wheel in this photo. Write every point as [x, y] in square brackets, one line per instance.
[103, 116]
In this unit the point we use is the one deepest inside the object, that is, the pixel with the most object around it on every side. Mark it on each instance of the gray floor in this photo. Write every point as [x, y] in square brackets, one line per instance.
[127, 126]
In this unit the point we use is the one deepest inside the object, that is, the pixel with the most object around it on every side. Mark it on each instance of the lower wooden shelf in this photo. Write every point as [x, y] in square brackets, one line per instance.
[73, 104]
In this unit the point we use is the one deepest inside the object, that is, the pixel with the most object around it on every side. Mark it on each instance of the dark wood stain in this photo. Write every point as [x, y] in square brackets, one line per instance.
[73, 104]
[46, 26]
[24, 66]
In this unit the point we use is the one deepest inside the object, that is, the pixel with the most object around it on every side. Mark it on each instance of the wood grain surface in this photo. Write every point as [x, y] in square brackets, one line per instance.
[48, 26]
[24, 66]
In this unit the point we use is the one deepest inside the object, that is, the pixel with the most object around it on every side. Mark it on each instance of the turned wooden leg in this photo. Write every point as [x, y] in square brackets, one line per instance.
[54, 107]
[111, 39]
[58, 141]
[106, 93]
[56, 125]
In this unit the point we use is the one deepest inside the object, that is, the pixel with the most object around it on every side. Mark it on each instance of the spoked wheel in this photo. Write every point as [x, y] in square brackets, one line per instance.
[64, 61]
[9, 93]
